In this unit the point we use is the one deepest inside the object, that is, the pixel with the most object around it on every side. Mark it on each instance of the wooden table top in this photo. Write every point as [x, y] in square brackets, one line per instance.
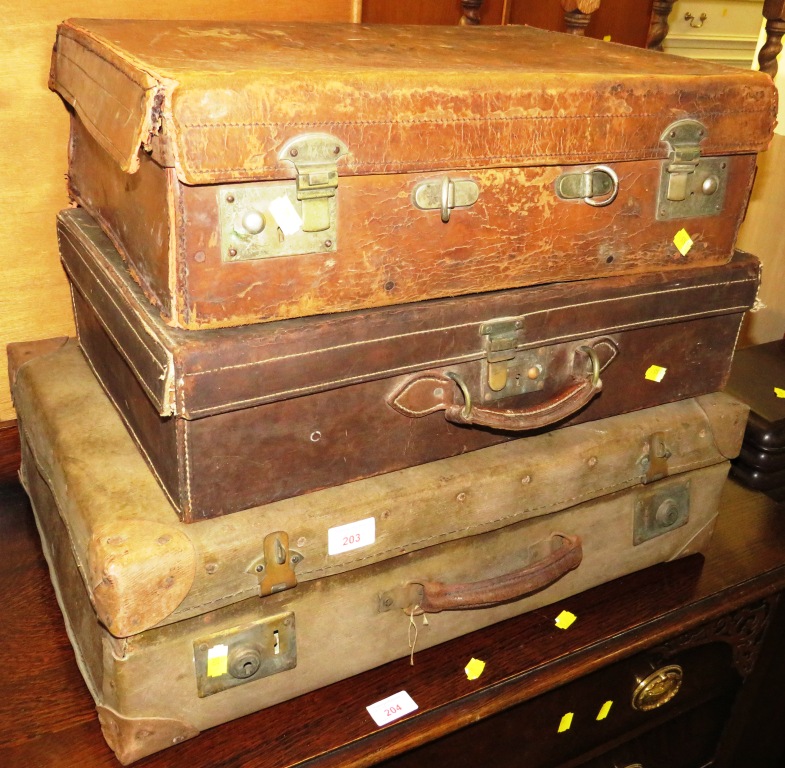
[47, 716]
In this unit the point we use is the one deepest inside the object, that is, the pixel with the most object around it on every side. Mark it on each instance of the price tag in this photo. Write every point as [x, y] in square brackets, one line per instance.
[391, 708]
[344, 538]
[285, 215]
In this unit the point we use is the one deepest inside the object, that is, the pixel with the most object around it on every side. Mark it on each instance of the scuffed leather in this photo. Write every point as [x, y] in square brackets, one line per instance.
[222, 98]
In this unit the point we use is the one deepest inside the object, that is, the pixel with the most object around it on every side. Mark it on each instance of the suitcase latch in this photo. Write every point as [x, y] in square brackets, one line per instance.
[275, 569]
[661, 510]
[690, 185]
[655, 463]
[445, 194]
[510, 371]
[315, 157]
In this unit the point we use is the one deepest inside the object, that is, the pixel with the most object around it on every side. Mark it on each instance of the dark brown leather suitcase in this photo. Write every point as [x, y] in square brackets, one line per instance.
[253, 172]
[230, 418]
[178, 628]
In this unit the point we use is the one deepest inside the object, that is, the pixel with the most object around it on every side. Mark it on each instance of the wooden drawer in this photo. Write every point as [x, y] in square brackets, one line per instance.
[727, 34]
[529, 732]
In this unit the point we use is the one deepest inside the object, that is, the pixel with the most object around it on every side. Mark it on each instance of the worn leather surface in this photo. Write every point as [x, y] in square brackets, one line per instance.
[225, 97]
[346, 592]
[102, 483]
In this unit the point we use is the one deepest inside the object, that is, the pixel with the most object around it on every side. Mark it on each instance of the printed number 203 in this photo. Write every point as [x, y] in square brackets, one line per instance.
[352, 539]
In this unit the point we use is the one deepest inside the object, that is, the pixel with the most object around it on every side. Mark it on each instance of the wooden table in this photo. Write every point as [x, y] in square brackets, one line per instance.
[47, 716]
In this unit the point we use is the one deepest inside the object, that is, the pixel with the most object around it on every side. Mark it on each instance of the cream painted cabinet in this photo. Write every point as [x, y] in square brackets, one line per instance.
[716, 31]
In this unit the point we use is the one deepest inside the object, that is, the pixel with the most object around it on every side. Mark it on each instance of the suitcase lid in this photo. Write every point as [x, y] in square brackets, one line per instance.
[756, 373]
[142, 567]
[194, 374]
[219, 101]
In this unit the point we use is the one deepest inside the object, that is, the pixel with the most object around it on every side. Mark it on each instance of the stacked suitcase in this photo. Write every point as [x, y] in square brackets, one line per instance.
[374, 324]
[758, 379]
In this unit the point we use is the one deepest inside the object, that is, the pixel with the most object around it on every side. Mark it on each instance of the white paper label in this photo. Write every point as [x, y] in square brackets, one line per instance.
[344, 538]
[285, 215]
[391, 708]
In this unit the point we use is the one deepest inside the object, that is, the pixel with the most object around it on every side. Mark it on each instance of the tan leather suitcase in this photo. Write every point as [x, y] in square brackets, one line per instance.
[230, 418]
[178, 627]
[254, 172]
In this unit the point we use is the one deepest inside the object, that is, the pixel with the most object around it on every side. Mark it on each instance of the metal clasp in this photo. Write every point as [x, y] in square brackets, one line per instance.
[445, 194]
[315, 157]
[600, 181]
[275, 570]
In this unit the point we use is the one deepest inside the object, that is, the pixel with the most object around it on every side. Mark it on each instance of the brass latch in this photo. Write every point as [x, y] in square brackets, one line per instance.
[315, 157]
[445, 194]
[275, 570]
[655, 464]
[683, 137]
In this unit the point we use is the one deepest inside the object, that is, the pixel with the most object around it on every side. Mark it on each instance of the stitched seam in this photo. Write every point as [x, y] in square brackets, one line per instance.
[107, 292]
[442, 329]
[460, 120]
[153, 396]
[184, 424]
[594, 495]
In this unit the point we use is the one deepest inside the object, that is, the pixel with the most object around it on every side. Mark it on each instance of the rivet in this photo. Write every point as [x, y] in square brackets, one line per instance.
[438, 392]
[259, 568]
[389, 285]
[165, 539]
[534, 371]
[232, 253]
[301, 541]
[673, 134]
[592, 461]
[526, 479]
[336, 150]
[316, 436]
[211, 567]
[230, 198]
[702, 433]
[199, 256]
[461, 496]
[293, 152]
[328, 243]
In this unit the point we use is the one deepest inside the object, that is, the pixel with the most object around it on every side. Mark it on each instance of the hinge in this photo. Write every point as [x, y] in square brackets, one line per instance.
[315, 157]
[690, 185]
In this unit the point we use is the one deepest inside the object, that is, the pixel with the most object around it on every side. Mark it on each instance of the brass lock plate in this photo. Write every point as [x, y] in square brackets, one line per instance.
[264, 220]
[661, 511]
[242, 654]
[704, 190]
[658, 688]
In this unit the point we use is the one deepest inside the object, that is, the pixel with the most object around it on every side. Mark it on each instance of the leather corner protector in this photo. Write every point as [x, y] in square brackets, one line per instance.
[727, 419]
[139, 572]
[132, 738]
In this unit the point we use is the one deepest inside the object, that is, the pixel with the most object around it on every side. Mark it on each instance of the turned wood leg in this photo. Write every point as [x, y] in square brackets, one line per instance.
[658, 27]
[577, 14]
[774, 13]
[471, 12]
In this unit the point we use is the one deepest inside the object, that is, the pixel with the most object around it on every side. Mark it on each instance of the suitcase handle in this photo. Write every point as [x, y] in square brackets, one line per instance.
[578, 392]
[435, 596]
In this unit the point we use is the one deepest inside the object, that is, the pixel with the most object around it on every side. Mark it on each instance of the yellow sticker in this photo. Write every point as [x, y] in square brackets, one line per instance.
[779, 392]
[565, 723]
[655, 373]
[682, 241]
[604, 709]
[474, 669]
[565, 619]
[607, 38]
[217, 660]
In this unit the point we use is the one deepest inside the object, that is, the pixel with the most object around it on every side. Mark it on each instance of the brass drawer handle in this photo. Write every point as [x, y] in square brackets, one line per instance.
[689, 17]
[658, 688]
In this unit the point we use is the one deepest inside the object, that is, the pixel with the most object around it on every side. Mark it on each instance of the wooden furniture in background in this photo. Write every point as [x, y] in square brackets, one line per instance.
[774, 13]
[658, 28]
[577, 14]
[722, 620]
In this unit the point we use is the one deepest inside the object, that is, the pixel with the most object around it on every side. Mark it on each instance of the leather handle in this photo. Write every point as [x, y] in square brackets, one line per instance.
[437, 596]
[571, 399]
[431, 391]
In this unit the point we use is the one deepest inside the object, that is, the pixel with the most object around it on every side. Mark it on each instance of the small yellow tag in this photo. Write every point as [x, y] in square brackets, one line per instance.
[565, 619]
[779, 392]
[217, 660]
[565, 723]
[474, 669]
[604, 709]
[606, 38]
[682, 241]
[655, 373]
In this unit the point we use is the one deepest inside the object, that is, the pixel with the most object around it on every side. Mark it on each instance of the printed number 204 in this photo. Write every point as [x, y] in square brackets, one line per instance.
[390, 711]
